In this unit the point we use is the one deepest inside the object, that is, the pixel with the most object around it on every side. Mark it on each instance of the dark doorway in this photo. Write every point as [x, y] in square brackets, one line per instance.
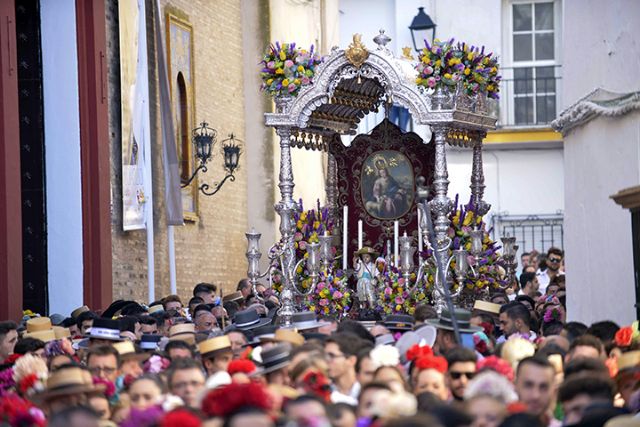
[32, 160]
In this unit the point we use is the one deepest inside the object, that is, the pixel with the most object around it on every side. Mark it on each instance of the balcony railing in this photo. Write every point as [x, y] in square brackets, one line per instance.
[529, 96]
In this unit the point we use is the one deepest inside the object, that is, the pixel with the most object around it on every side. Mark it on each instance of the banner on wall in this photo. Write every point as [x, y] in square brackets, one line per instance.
[134, 93]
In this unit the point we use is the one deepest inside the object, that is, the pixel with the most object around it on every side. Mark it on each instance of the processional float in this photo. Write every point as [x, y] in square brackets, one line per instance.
[450, 89]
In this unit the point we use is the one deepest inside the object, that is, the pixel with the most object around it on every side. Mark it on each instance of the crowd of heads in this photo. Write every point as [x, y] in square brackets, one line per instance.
[210, 361]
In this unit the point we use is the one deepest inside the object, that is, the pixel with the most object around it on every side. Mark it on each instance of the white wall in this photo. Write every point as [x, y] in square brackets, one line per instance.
[601, 158]
[519, 182]
[62, 154]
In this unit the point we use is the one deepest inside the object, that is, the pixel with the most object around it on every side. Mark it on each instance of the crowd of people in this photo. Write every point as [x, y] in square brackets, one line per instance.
[211, 361]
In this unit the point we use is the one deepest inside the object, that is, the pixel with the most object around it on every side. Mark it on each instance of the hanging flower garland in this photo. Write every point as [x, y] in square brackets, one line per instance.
[444, 64]
[287, 68]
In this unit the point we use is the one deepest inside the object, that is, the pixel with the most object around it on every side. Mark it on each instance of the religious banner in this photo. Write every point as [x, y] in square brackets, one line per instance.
[134, 92]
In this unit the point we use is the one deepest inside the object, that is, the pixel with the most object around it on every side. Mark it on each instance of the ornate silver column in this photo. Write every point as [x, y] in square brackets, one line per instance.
[286, 208]
[477, 179]
[331, 186]
[440, 206]
[441, 203]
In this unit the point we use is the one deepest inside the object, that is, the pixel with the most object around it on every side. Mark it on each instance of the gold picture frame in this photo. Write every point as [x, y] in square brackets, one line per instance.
[180, 69]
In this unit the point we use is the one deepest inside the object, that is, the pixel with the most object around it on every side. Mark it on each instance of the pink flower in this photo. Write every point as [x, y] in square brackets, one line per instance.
[321, 286]
[288, 63]
[271, 65]
[431, 82]
[292, 87]
[399, 300]
[324, 302]
[401, 281]
[337, 294]
[428, 70]
[387, 291]
[302, 245]
[305, 80]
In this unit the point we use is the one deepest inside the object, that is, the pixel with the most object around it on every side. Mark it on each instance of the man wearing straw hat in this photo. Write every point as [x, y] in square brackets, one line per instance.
[216, 354]
[67, 387]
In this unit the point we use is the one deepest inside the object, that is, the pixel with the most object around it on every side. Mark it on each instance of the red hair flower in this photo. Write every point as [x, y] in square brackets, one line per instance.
[624, 336]
[496, 364]
[432, 362]
[241, 365]
[316, 383]
[516, 408]
[225, 401]
[416, 351]
[181, 418]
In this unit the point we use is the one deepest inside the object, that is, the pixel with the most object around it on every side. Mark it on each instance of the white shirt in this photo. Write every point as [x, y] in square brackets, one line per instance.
[351, 398]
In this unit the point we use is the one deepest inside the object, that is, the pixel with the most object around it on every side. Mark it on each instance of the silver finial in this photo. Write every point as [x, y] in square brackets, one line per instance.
[382, 39]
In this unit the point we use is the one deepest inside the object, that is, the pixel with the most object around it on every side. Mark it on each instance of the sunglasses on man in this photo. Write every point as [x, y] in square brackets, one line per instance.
[458, 375]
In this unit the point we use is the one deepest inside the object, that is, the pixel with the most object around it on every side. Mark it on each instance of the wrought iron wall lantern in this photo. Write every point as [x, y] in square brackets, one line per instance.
[204, 140]
[420, 27]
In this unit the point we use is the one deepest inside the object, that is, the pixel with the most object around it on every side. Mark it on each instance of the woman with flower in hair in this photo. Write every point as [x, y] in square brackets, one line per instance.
[431, 376]
[486, 398]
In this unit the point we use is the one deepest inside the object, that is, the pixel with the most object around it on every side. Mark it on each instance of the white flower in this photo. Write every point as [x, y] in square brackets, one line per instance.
[385, 355]
[171, 402]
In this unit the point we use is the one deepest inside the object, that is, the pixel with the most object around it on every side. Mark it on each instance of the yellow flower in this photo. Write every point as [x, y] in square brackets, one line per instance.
[438, 62]
[285, 82]
[316, 224]
[269, 81]
[312, 308]
[279, 71]
[491, 88]
[467, 218]
[467, 71]
[299, 224]
[494, 70]
[326, 310]
[300, 69]
[299, 270]
[418, 80]
[485, 61]
[296, 81]
[303, 216]
[452, 61]
[398, 307]
[283, 55]
[447, 76]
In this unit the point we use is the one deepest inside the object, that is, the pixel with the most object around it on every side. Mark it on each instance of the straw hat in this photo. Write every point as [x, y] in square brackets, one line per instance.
[487, 307]
[66, 381]
[46, 336]
[366, 250]
[78, 311]
[127, 351]
[284, 335]
[38, 324]
[61, 332]
[235, 296]
[155, 308]
[183, 332]
[213, 345]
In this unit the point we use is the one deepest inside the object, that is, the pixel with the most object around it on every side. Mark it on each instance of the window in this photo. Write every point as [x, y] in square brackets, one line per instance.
[531, 84]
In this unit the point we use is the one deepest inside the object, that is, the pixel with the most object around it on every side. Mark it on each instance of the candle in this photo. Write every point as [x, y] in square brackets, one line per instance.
[419, 236]
[396, 231]
[345, 213]
[359, 234]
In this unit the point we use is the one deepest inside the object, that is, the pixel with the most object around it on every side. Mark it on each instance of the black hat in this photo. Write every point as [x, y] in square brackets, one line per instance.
[461, 315]
[249, 319]
[105, 329]
[150, 341]
[399, 322]
[306, 320]
[276, 357]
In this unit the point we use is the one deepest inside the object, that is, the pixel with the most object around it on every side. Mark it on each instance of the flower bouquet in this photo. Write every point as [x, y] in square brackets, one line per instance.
[444, 64]
[489, 271]
[287, 68]
[395, 296]
[330, 296]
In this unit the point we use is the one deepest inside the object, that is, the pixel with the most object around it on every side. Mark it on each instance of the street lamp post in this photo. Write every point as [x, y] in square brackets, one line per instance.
[421, 28]
[204, 139]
